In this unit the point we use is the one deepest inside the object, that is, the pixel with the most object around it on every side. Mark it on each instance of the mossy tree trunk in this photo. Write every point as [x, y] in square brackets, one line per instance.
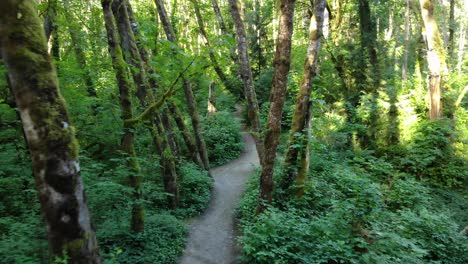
[145, 94]
[186, 135]
[51, 29]
[190, 98]
[247, 78]
[435, 57]
[50, 136]
[125, 86]
[282, 64]
[298, 136]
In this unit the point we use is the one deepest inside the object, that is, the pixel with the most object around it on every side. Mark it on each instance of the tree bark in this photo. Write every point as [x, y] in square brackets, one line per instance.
[451, 29]
[131, 52]
[282, 64]
[299, 130]
[435, 57]
[144, 94]
[211, 99]
[125, 86]
[191, 103]
[247, 78]
[186, 135]
[404, 68]
[51, 29]
[50, 137]
[211, 54]
[219, 17]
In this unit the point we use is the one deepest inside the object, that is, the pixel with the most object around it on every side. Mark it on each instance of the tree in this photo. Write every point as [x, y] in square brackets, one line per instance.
[247, 78]
[190, 98]
[282, 63]
[298, 143]
[127, 145]
[435, 57]
[51, 29]
[138, 67]
[50, 137]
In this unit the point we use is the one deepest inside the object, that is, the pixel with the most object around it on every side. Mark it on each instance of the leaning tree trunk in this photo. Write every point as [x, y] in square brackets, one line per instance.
[219, 17]
[211, 54]
[145, 94]
[299, 129]
[125, 86]
[50, 137]
[435, 57]
[282, 64]
[191, 103]
[186, 135]
[247, 78]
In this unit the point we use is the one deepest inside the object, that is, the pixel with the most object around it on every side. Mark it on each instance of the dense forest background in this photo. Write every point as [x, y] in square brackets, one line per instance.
[357, 108]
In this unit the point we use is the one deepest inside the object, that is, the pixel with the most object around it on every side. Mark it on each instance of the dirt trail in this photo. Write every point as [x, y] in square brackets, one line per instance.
[212, 235]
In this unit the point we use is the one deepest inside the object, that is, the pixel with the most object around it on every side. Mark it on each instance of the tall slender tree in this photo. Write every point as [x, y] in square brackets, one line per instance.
[435, 57]
[298, 135]
[190, 98]
[50, 136]
[247, 78]
[125, 86]
[282, 63]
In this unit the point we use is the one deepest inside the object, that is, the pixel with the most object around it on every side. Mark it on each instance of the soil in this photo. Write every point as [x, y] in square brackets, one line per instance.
[212, 238]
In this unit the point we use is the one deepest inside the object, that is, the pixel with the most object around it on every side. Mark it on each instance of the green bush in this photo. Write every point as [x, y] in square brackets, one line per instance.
[195, 190]
[431, 156]
[222, 136]
[348, 214]
[162, 241]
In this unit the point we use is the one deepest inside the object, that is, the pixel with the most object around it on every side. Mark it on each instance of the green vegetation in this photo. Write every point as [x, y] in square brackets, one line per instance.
[359, 108]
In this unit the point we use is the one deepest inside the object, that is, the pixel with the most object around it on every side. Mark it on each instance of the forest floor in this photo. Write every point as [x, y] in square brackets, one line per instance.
[212, 238]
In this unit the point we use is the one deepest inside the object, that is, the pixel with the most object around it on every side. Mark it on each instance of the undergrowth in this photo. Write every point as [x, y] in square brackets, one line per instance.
[356, 210]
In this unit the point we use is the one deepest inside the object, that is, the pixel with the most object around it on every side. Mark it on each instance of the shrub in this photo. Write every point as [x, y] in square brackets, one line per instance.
[222, 137]
[195, 190]
[162, 241]
[431, 156]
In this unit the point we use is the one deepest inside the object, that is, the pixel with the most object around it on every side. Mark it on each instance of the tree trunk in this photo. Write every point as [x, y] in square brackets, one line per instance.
[186, 135]
[368, 32]
[299, 129]
[51, 138]
[219, 17]
[211, 99]
[51, 29]
[131, 52]
[435, 57]
[169, 129]
[451, 29]
[167, 162]
[247, 78]
[211, 54]
[77, 44]
[144, 94]
[282, 64]
[124, 84]
[404, 68]
[191, 103]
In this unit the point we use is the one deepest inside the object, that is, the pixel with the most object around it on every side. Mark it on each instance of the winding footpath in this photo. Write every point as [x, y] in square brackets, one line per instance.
[212, 235]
